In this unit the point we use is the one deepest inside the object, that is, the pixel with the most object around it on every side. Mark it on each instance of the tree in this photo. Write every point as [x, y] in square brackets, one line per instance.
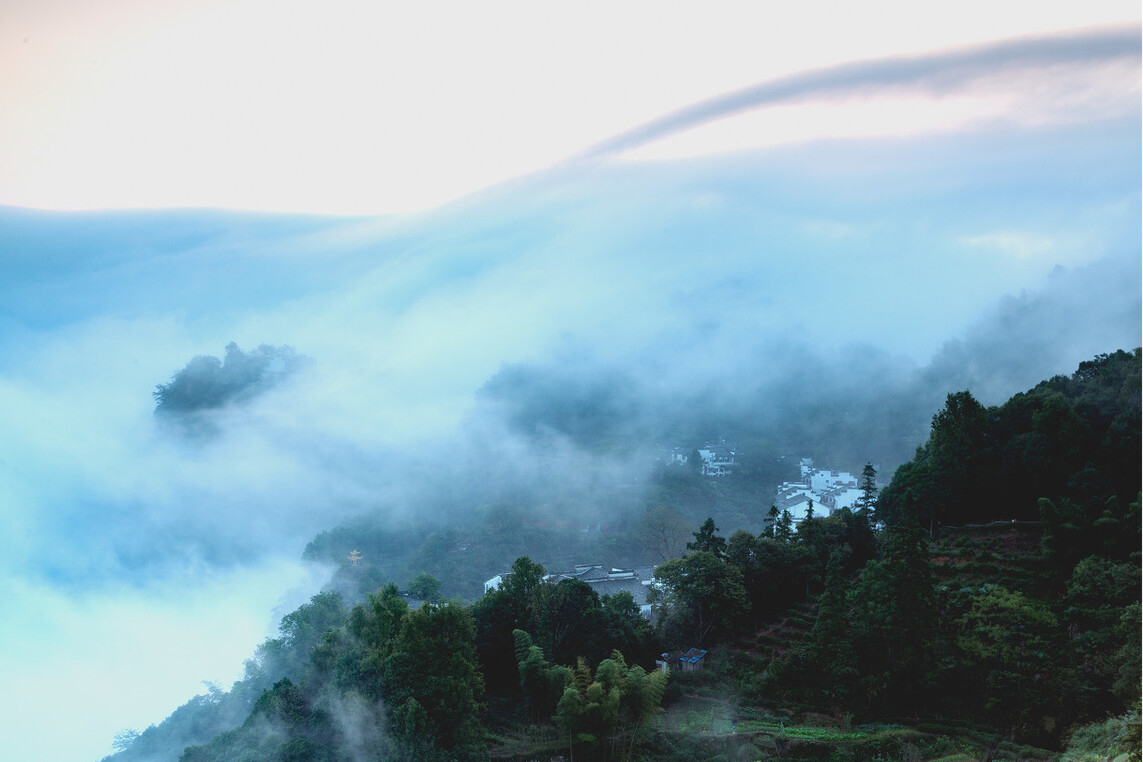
[741, 550]
[569, 716]
[625, 629]
[1127, 658]
[495, 620]
[640, 703]
[784, 530]
[868, 486]
[124, 738]
[207, 382]
[773, 573]
[695, 462]
[426, 587]
[374, 625]
[1099, 594]
[663, 532]
[831, 652]
[283, 703]
[707, 540]
[303, 628]
[958, 454]
[570, 622]
[895, 618]
[519, 603]
[413, 731]
[700, 596]
[952, 475]
[613, 704]
[1007, 640]
[434, 662]
[771, 522]
[1074, 438]
[540, 681]
[522, 587]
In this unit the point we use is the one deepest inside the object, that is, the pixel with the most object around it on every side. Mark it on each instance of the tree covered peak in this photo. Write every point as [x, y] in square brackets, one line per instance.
[208, 382]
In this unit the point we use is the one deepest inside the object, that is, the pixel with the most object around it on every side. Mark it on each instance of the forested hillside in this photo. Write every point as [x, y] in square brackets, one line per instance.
[986, 607]
[1074, 441]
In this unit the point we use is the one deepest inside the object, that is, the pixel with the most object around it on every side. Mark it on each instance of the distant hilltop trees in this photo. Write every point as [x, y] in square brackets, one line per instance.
[208, 383]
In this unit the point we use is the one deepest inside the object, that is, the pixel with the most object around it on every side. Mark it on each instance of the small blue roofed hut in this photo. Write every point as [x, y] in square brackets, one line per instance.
[692, 660]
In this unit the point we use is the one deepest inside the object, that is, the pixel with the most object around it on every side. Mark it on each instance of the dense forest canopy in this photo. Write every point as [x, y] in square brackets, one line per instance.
[1073, 440]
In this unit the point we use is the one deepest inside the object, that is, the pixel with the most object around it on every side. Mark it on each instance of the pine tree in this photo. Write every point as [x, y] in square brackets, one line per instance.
[784, 531]
[895, 619]
[706, 539]
[868, 500]
[771, 522]
[831, 650]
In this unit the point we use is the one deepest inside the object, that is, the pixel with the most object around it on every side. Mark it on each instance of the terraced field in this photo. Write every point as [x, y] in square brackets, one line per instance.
[1003, 553]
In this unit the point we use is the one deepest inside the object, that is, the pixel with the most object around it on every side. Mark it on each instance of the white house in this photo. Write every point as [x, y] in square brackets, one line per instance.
[718, 458]
[798, 505]
[840, 496]
[494, 583]
[819, 480]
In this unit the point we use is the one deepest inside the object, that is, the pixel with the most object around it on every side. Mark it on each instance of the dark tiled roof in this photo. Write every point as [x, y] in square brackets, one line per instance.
[587, 575]
[612, 586]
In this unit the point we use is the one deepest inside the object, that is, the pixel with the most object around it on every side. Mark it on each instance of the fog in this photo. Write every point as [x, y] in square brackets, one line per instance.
[550, 331]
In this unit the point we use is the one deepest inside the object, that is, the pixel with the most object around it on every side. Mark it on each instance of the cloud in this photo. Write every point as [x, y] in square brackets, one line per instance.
[1014, 243]
[1085, 73]
[1077, 313]
[99, 662]
[715, 276]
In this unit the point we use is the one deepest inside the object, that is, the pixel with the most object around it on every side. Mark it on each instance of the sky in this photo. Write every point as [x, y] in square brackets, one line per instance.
[704, 198]
[361, 107]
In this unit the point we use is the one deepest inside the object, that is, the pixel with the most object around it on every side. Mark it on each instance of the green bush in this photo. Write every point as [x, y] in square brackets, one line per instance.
[1116, 738]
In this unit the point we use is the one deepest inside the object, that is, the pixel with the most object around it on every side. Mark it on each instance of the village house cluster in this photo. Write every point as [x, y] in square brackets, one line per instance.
[826, 490]
[718, 458]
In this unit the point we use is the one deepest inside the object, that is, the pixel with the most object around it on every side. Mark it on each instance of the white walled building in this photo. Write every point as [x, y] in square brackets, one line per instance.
[829, 490]
[820, 480]
[841, 496]
[718, 458]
